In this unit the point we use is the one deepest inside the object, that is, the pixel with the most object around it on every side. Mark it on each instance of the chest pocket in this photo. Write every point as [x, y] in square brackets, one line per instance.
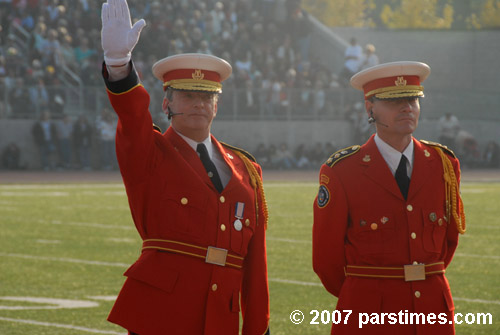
[185, 212]
[242, 229]
[373, 235]
[435, 225]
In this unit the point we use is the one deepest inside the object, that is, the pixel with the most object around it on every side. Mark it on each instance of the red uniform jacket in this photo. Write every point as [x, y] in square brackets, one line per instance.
[359, 190]
[172, 198]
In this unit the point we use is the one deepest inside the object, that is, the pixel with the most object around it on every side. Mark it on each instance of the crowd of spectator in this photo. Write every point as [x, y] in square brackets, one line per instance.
[302, 157]
[63, 144]
[266, 41]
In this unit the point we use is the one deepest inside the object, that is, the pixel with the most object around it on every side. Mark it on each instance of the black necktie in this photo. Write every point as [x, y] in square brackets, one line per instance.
[402, 177]
[209, 166]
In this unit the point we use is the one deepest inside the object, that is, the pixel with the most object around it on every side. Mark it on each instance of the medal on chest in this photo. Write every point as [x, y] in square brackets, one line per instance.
[238, 214]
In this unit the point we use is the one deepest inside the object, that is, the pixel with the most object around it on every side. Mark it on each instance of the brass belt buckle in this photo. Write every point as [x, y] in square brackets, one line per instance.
[216, 256]
[414, 272]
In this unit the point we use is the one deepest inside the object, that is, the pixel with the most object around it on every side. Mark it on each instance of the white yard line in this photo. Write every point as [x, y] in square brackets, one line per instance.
[64, 259]
[59, 325]
[294, 282]
[479, 301]
[89, 224]
[477, 256]
[58, 186]
[278, 280]
[288, 240]
[34, 194]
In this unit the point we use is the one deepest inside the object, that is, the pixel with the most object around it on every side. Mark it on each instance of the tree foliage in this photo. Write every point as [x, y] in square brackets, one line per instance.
[420, 14]
[488, 17]
[407, 14]
[340, 13]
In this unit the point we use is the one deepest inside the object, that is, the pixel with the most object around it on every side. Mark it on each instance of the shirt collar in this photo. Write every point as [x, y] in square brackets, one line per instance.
[193, 144]
[392, 156]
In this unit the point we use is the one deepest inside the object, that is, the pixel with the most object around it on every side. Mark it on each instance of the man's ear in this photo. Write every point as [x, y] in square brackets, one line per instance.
[369, 107]
[164, 105]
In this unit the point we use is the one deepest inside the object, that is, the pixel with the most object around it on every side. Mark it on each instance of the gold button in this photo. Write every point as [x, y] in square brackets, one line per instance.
[247, 222]
[222, 199]
[214, 287]
[409, 208]
[440, 222]
[415, 262]
[374, 226]
[184, 201]
[223, 227]
[413, 235]
[417, 294]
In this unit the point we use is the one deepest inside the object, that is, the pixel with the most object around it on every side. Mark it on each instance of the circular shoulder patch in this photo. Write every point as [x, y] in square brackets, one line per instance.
[323, 196]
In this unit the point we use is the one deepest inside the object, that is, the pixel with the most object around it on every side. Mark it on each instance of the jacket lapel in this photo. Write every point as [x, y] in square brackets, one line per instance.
[422, 161]
[190, 156]
[234, 162]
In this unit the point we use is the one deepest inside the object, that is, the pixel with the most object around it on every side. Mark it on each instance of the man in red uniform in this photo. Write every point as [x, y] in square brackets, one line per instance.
[388, 214]
[198, 204]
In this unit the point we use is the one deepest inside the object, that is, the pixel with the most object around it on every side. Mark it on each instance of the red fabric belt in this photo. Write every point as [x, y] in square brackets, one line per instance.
[408, 272]
[210, 254]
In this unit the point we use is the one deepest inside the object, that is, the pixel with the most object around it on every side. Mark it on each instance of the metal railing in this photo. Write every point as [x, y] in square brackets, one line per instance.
[256, 104]
[234, 104]
[71, 81]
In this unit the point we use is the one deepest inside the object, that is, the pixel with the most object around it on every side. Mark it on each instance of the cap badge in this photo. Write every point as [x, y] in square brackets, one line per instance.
[400, 81]
[197, 75]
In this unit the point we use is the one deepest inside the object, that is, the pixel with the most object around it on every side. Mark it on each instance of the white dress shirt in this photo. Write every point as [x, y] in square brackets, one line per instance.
[214, 154]
[392, 156]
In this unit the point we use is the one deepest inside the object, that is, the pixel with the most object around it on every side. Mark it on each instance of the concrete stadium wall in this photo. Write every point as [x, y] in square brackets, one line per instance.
[248, 134]
[244, 134]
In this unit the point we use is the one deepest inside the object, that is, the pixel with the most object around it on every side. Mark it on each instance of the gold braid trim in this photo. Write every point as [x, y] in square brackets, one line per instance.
[257, 185]
[406, 88]
[452, 192]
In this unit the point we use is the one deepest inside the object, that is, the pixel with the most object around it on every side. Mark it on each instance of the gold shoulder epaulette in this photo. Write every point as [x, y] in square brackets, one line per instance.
[155, 127]
[341, 154]
[255, 181]
[247, 154]
[439, 145]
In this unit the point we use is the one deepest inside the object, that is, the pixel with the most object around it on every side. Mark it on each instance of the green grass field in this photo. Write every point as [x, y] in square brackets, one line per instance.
[70, 243]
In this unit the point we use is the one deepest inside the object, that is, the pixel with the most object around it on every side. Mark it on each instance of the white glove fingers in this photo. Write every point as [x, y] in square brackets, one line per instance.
[112, 9]
[125, 12]
[104, 13]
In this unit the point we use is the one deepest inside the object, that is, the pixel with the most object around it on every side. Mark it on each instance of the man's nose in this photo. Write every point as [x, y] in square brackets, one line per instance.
[197, 100]
[406, 105]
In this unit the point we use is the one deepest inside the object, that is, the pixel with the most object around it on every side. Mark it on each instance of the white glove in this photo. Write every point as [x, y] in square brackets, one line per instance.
[118, 36]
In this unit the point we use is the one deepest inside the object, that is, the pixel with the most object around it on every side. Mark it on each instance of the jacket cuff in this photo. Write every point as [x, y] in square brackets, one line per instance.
[122, 85]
